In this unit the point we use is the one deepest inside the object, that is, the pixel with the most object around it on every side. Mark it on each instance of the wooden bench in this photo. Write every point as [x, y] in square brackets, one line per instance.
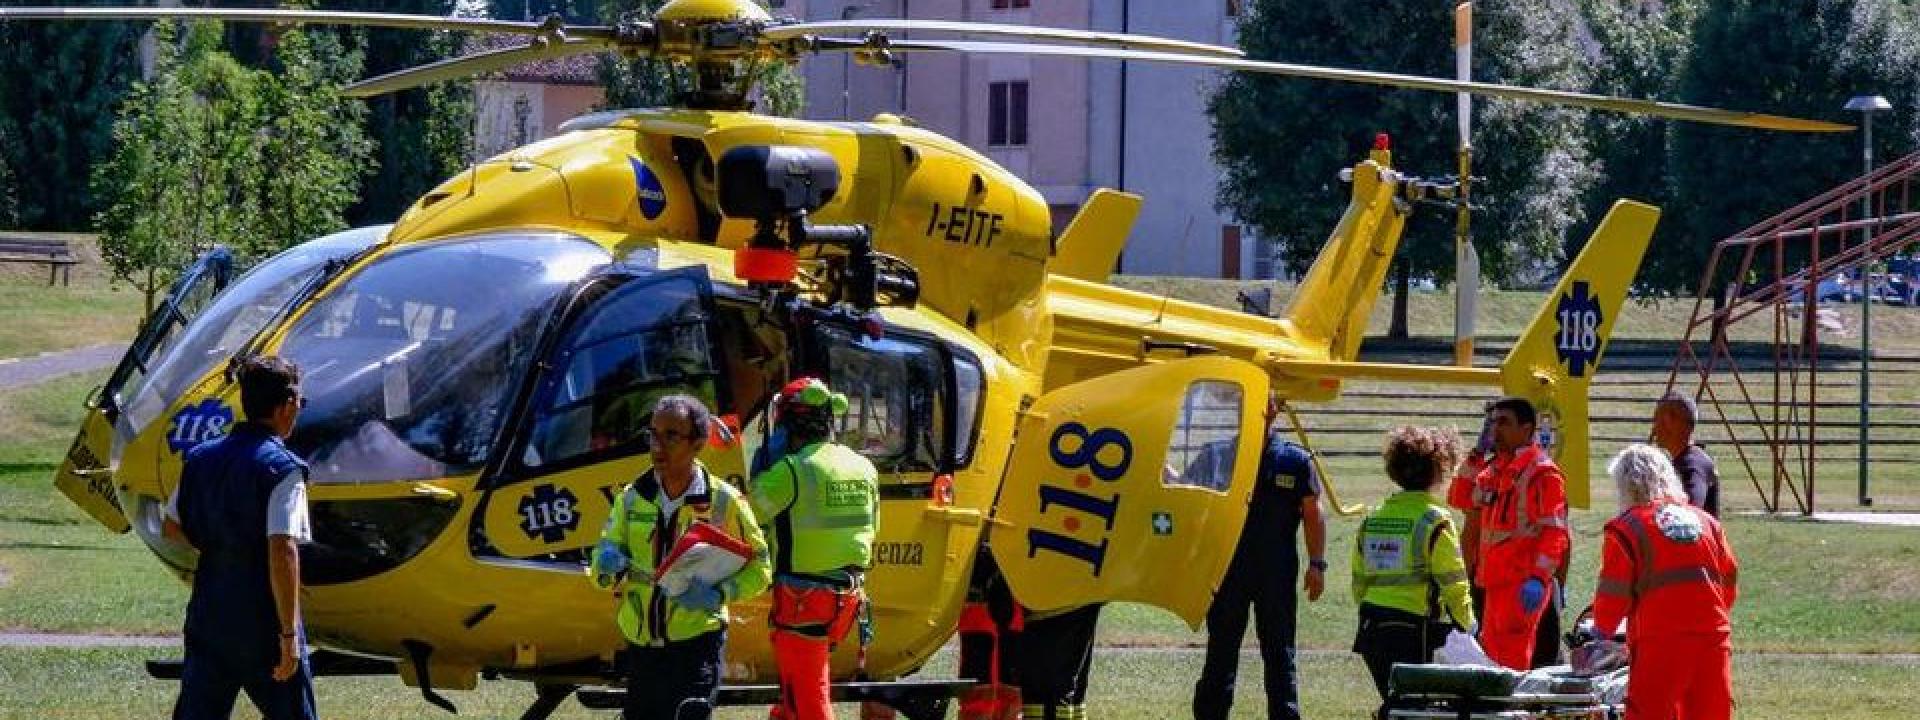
[55, 254]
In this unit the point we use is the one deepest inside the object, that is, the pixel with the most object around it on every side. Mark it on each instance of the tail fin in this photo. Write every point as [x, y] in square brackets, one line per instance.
[1091, 244]
[1556, 359]
[1336, 297]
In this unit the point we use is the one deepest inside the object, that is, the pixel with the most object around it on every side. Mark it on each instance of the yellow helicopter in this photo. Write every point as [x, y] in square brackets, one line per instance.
[478, 370]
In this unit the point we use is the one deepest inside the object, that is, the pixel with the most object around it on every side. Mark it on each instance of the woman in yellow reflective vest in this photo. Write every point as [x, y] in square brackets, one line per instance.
[1406, 560]
[819, 501]
[674, 661]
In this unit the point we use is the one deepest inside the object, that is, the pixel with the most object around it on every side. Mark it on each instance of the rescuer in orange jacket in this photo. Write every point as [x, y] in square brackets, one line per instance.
[1516, 539]
[1666, 568]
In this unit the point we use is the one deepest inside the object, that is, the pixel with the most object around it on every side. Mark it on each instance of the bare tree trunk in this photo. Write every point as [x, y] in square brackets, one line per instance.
[149, 288]
[1402, 282]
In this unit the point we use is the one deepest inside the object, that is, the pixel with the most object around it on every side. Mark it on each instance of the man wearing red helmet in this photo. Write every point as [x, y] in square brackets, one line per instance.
[818, 504]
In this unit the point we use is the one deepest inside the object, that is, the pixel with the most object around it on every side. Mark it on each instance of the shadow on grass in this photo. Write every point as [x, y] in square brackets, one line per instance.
[1638, 353]
[59, 546]
[28, 467]
[39, 520]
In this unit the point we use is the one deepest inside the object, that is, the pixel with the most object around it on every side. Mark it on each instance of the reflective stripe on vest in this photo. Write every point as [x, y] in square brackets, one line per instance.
[654, 614]
[1645, 579]
[1416, 571]
[1524, 525]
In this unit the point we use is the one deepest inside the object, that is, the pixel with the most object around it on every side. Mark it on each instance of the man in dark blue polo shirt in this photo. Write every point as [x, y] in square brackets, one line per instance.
[242, 504]
[1262, 575]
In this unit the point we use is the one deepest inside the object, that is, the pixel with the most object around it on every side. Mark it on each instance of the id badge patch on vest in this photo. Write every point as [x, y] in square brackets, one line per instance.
[846, 494]
[1383, 554]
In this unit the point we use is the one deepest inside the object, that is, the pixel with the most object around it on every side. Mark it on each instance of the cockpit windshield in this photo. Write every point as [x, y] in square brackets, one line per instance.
[232, 320]
[410, 365]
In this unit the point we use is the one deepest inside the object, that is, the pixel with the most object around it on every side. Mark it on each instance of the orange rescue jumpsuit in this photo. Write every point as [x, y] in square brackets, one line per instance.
[1522, 502]
[1666, 567]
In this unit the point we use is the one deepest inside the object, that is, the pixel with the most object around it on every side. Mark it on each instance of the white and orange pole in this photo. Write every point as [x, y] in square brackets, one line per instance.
[1466, 262]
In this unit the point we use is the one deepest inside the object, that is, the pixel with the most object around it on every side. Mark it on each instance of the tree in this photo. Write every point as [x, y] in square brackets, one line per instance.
[210, 152]
[1802, 59]
[423, 135]
[9, 213]
[59, 86]
[1280, 141]
[1639, 50]
[181, 176]
[315, 141]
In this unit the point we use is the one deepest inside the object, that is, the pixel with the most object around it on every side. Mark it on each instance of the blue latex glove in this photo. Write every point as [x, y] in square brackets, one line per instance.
[610, 562]
[699, 596]
[1532, 593]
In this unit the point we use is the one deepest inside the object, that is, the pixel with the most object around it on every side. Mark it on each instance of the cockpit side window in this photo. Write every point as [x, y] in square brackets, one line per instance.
[638, 341]
[753, 354]
[969, 385]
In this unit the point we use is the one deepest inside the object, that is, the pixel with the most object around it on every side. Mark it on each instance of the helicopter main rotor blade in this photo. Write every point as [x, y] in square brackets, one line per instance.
[1676, 111]
[1095, 39]
[322, 17]
[469, 65]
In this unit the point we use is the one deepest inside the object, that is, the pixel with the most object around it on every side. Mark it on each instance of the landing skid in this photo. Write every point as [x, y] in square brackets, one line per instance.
[914, 698]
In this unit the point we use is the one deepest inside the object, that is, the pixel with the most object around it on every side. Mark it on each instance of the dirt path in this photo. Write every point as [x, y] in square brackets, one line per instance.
[73, 640]
[1895, 519]
[20, 372]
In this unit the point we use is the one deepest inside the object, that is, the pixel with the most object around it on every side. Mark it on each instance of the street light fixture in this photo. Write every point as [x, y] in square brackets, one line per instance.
[1866, 105]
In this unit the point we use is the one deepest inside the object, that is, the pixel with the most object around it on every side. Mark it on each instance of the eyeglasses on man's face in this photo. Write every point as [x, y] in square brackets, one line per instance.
[652, 437]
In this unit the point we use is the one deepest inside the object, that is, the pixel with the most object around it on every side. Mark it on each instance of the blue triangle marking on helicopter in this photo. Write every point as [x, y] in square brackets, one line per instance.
[653, 196]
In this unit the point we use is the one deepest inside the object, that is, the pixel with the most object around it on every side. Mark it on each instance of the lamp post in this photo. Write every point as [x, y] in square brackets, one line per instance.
[1866, 105]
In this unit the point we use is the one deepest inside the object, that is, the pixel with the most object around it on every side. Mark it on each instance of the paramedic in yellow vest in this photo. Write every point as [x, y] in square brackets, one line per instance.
[674, 661]
[1407, 568]
[818, 502]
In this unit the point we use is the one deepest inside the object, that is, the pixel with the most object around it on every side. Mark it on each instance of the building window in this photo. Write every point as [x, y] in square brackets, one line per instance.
[1007, 113]
[1009, 4]
[1266, 259]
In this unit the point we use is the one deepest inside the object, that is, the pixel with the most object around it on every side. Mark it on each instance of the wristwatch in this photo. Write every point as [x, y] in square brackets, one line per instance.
[1318, 564]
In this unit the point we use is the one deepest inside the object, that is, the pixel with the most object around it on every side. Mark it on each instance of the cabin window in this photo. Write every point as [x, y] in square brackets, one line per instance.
[1206, 440]
[897, 396]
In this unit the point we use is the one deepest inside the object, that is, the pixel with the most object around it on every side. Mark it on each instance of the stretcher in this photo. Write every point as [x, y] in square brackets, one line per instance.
[1465, 692]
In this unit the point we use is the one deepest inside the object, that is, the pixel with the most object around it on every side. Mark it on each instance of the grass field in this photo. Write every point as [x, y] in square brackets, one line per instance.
[1129, 685]
[42, 319]
[1808, 588]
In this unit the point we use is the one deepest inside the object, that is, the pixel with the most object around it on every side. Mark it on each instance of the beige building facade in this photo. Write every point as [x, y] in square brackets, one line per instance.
[1068, 126]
